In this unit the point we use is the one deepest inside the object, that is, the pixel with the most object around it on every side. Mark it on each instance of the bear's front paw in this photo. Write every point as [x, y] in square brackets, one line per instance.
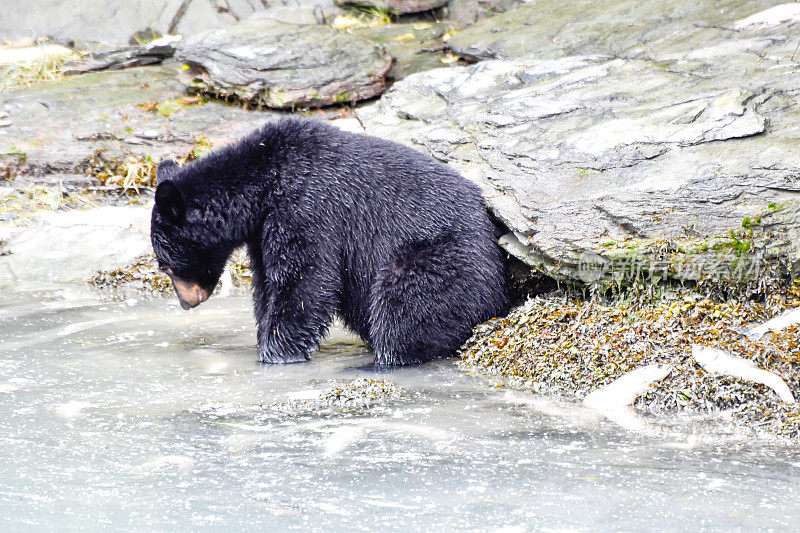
[267, 355]
[390, 359]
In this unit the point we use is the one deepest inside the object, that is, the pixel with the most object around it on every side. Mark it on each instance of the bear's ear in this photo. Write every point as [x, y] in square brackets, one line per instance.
[170, 204]
[165, 170]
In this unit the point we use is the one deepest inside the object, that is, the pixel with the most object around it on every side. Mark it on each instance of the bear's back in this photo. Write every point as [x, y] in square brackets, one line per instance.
[383, 184]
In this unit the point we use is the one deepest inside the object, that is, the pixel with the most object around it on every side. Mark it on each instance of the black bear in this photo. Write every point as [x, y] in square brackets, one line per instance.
[396, 243]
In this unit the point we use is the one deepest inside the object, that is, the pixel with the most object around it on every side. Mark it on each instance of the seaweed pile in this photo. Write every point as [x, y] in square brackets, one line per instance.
[361, 392]
[142, 276]
[343, 398]
[569, 347]
[352, 397]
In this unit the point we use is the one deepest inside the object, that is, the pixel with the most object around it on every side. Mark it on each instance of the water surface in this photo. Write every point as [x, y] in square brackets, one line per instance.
[137, 415]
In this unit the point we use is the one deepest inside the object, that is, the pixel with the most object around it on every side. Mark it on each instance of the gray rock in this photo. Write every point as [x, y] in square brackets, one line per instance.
[414, 47]
[683, 165]
[108, 21]
[114, 22]
[241, 9]
[125, 57]
[467, 12]
[55, 128]
[399, 7]
[75, 245]
[325, 7]
[291, 15]
[550, 29]
[194, 16]
[284, 65]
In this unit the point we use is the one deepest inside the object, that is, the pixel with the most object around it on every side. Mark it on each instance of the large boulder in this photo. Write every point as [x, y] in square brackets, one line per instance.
[55, 248]
[549, 29]
[115, 22]
[683, 164]
[279, 65]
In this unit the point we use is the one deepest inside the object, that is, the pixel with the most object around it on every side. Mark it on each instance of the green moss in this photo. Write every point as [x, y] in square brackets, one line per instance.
[736, 243]
[275, 97]
[730, 259]
[21, 154]
[342, 97]
[201, 147]
[168, 107]
[750, 223]
[774, 208]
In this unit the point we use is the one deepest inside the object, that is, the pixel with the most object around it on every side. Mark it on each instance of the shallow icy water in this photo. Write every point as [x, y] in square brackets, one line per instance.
[139, 416]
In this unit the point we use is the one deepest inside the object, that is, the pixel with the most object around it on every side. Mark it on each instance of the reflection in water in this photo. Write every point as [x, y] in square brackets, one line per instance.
[140, 415]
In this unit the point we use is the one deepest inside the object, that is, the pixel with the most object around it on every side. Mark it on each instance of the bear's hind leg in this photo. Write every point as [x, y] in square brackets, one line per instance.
[424, 303]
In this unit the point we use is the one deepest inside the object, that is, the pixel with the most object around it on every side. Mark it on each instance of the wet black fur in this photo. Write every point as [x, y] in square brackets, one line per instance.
[399, 245]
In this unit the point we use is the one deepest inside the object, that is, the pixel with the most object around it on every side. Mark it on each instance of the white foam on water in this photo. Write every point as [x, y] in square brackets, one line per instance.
[166, 463]
[8, 387]
[341, 439]
[216, 367]
[308, 394]
[72, 408]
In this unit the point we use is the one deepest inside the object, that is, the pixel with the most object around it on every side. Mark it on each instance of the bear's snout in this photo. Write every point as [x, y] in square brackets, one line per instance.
[190, 294]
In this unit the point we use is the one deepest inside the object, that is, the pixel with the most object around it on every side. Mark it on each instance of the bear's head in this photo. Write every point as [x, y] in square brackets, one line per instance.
[185, 247]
